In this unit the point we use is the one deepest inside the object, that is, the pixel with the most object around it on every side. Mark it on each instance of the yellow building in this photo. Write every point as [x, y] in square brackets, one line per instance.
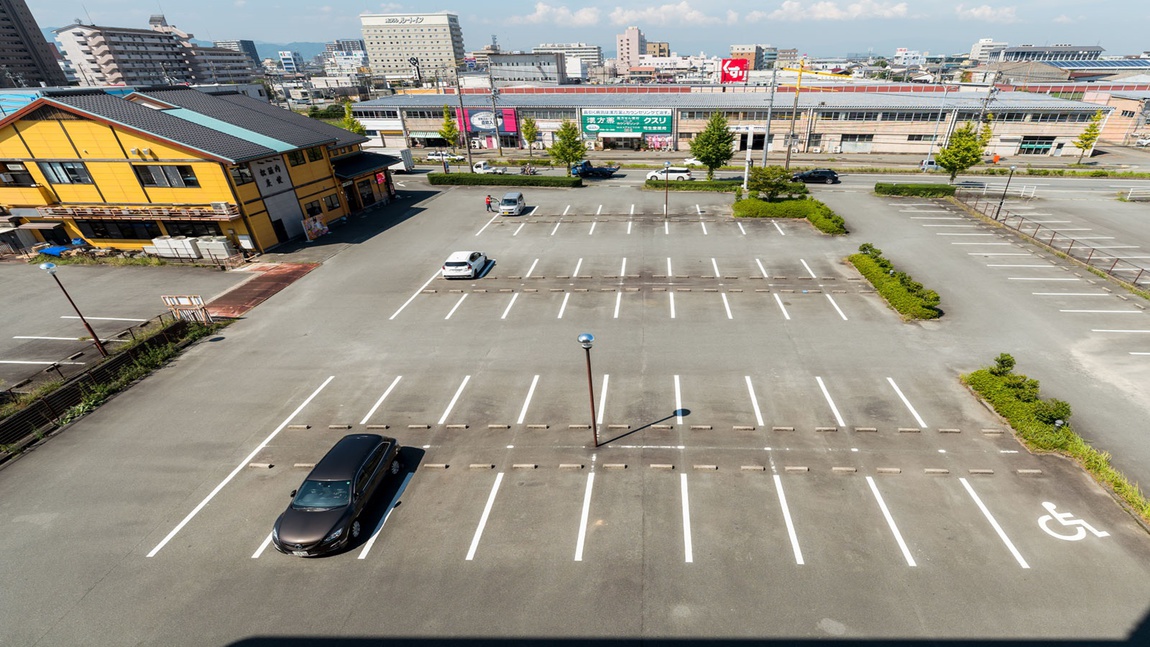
[129, 172]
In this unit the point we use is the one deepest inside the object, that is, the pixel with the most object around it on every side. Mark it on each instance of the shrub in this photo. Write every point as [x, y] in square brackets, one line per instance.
[919, 190]
[1042, 425]
[819, 214]
[908, 297]
[491, 179]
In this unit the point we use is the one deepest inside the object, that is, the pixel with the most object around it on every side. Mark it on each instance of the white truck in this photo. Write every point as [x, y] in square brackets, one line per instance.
[485, 168]
[406, 162]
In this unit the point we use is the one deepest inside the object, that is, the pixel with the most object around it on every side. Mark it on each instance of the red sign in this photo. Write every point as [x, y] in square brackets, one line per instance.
[734, 70]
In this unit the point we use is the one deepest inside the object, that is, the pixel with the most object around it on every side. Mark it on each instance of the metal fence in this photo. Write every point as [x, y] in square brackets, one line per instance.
[43, 414]
[1100, 260]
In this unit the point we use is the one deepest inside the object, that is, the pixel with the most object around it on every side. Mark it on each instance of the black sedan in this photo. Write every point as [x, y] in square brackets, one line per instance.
[324, 513]
[818, 176]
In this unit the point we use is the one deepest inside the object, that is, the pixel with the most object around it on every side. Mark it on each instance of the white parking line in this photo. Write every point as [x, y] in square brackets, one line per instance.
[1036, 278]
[378, 402]
[727, 306]
[386, 515]
[993, 523]
[483, 518]
[704, 226]
[741, 228]
[935, 217]
[666, 224]
[564, 306]
[513, 298]
[488, 223]
[1093, 238]
[263, 546]
[454, 399]
[678, 402]
[890, 522]
[1116, 246]
[211, 495]
[583, 517]
[1071, 294]
[779, 301]
[629, 225]
[618, 302]
[754, 401]
[669, 272]
[51, 338]
[715, 266]
[623, 268]
[1062, 229]
[566, 209]
[592, 230]
[36, 363]
[602, 399]
[104, 318]
[632, 212]
[1119, 331]
[999, 254]
[944, 233]
[578, 265]
[412, 297]
[527, 400]
[1045, 266]
[827, 395]
[556, 227]
[1120, 312]
[787, 518]
[698, 210]
[953, 226]
[917, 418]
[672, 295]
[780, 229]
[808, 268]
[982, 243]
[837, 309]
[688, 552]
[457, 304]
[1138, 353]
[518, 229]
[599, 210]
[532, 268]
[761, 268]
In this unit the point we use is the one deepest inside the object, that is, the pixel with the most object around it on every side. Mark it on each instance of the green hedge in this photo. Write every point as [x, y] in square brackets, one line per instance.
[492, 179]
[919, 190]
[1016, 398]
[908, 297]
[819, 214]
[720, 186]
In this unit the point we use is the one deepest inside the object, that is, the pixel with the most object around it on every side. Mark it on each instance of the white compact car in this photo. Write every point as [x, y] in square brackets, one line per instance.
[439, 156]
[671, 173]
[464, 265]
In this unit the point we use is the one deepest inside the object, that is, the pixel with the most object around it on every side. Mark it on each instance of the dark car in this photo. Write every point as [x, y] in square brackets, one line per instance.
[324, 512]
[818, 175]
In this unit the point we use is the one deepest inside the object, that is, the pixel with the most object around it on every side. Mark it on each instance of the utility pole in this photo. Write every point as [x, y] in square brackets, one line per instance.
[770, 109]
[794, 116]
[494, 114]
[463, 122]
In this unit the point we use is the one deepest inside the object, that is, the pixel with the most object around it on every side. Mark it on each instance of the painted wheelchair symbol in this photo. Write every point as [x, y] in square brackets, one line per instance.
[1067, 520]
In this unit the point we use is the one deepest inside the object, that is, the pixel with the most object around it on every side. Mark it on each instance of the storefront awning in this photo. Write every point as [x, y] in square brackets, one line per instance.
[621, 135]
[361, 164]
[40, 225]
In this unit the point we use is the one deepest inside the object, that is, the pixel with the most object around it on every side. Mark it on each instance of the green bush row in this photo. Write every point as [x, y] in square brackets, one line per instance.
[492, 179]
[718, 186]
[1042, 425]
[908, 297]
[819, 214]
[918, 190]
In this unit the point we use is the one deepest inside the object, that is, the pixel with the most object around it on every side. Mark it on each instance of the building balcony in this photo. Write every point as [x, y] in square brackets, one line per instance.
[216, 211]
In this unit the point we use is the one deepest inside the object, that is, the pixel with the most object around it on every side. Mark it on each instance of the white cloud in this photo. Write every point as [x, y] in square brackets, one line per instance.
[732, 17]
[1063, 19]
[390, 7]
[987, 13]
[662, 15]
[558, 15]
[794, 11]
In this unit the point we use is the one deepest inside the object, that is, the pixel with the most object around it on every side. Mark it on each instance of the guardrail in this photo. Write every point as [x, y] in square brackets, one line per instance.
[1105, 262]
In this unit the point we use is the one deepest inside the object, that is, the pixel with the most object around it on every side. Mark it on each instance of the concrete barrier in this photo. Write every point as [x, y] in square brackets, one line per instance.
[378, 427]
[889, 470]
[935, 470]
[262, 466]
[481, 466]
[299, 426]
[796, 468]
[662, 466]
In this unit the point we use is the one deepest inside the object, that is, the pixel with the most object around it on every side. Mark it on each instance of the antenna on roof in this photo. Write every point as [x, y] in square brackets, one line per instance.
[90, 21]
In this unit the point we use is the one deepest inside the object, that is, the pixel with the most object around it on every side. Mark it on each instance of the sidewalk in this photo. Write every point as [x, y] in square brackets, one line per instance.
[270, 279]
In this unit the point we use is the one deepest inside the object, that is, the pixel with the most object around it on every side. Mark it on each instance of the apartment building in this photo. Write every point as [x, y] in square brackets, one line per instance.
[124, 56]
[398, 44]
[26, 59]
[630, 45]
[246, 46]
[590, 55]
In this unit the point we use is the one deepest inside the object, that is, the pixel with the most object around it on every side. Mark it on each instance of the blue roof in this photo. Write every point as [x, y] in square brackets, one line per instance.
[1122, 64]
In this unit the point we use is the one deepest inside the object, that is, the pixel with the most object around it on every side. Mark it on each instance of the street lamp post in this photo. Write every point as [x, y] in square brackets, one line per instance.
[1004, 190]
[666, 182]
[50, 268]
[586, 339]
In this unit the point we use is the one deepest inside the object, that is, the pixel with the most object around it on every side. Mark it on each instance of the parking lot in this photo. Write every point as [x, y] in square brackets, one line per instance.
[780, 455]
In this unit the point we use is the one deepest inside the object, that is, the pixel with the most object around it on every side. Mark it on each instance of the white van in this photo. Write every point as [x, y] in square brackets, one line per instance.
[512, 204]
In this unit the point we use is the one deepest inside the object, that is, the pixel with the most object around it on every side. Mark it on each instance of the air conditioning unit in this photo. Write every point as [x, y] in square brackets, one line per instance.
[795, 150]
[220, 206]
[837, 149]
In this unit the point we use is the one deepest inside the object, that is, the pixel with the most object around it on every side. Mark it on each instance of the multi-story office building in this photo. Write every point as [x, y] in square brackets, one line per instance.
[346, 45]
[291, 62]
[629, 46]
[980, 51]
[1058, 52]
[591, 55]
[547, 69]
[124, 56]
[434, 41]
[246, 46]
[26, 59]
[759, 57]
[221, 65]
[657, 48]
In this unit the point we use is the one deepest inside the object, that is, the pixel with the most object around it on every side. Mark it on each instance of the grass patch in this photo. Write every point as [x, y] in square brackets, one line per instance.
[83, 259]
[917, 190]
[493, 179]
[24, 399]
[819, 214]
[908, 297]
[719, 186]
[1043, 425]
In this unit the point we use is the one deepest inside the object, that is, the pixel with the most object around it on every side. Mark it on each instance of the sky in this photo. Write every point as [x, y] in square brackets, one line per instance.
[815, 28]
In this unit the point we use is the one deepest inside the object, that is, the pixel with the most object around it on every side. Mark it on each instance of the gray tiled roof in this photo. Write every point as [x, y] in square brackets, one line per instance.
[287, 130]
[342, 137]
[163, 126]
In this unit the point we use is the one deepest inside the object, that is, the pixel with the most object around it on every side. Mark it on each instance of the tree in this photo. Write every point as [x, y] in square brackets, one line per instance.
[772, 181]
[530, 131]
[714, 146]
[1089, 136]
[449, 131]
[349, 122]
[568, 147]
[962, 151]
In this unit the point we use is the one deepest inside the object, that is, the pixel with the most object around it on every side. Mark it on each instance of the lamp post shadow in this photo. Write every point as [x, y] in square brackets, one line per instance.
[678, 413]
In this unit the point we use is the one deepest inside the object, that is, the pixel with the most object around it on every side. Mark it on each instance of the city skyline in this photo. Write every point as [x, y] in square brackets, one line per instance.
[821, 28]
